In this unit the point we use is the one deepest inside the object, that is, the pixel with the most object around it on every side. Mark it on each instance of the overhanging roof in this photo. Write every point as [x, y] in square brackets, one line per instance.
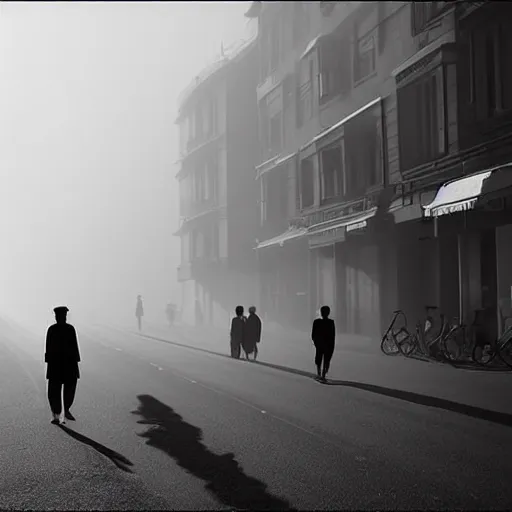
[462, 194]
[337, 125]
[271, 164]
[291, 233]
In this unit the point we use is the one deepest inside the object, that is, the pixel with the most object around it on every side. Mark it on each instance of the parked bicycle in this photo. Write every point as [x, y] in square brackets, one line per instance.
[501, 349]
[422, 341]
[396, 340]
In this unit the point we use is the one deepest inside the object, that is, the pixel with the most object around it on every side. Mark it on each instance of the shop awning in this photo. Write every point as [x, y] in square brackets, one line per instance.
[462, 194]
[269, 165]
[291, 233]
[330, 232]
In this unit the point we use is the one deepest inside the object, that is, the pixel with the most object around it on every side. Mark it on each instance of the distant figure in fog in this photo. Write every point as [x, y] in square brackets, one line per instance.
[62, 356]
[252, 333]
[170, 311]
[237, 332]
[139, 311]
[323, 336]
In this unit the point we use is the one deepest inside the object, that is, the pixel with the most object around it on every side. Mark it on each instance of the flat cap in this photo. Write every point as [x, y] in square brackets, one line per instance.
[61, 309]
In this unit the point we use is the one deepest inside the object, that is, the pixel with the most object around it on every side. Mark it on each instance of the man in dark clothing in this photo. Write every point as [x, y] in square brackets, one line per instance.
[62, 356]
[237, 332]
[252, 333]
[323, 336]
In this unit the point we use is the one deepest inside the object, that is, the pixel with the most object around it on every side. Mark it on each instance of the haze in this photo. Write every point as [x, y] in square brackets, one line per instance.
[88, 200]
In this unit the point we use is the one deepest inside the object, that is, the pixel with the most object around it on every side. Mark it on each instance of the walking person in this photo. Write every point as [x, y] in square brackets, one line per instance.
[170, 311]
[252, 333]
[139, 311]
[323, 335]
[62, 357]
[237, 332]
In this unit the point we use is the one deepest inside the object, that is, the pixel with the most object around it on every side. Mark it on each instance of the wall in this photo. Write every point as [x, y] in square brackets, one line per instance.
[242, 150]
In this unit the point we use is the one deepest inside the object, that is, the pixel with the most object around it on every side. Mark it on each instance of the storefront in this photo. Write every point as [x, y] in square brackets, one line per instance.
[473, 216]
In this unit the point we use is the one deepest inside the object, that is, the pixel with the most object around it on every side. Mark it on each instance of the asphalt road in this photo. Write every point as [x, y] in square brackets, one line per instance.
[166, 427]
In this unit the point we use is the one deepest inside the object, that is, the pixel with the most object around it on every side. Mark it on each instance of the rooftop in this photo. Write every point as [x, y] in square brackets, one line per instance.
[228, 54]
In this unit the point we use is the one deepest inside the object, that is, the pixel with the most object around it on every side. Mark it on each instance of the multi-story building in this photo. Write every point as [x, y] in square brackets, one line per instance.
[329, 154]
[218, 192]
[366, 110]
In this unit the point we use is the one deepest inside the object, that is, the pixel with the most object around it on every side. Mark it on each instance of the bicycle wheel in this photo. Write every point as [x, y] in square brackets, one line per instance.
[483, 355]
[451, 344]
[505, 351]
[388, 345]
[405, 342]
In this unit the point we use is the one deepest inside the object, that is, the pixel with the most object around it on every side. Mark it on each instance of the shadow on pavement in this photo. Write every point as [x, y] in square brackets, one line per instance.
[408, 396]
[501, 418]
[119, 460]
[223, 475]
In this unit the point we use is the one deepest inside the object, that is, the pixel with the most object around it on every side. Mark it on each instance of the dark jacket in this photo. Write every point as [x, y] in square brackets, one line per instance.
[324, 332]
[62, 353]
[237, 332]
[252, 332]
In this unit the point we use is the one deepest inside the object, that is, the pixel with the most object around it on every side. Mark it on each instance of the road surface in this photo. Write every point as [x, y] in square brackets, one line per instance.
[166, 427]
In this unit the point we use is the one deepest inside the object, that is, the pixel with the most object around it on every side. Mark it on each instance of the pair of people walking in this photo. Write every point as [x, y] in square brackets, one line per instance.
[62, 356]
[245, 333]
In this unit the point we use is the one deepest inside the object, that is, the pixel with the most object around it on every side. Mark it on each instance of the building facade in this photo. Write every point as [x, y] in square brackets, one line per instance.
[328, 118]
[366, 109]
[218, 192]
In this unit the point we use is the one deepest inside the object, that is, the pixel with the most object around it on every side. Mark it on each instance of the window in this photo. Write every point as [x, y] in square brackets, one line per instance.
[421, 120]
[334, 62]
[363, 160]
[276, 195]
[490, 73]
[211, 118]
[364, 59]
[276, 129]
[275, 45]
[422, 13]
[331, 172]
[198, 124]
[306, 183]
[304, 91]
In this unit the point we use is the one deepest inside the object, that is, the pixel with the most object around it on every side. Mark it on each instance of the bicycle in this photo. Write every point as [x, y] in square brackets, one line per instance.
[427, 340]
[399, 341]
[455, 344]
[501, 348]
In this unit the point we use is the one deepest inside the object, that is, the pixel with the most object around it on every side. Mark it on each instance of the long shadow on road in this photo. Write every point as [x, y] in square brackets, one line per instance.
[501, 418]
[476, 412]
[223, 475]
[119, 460]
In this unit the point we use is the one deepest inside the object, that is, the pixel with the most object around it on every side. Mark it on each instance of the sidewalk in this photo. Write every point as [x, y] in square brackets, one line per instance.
[477, 389]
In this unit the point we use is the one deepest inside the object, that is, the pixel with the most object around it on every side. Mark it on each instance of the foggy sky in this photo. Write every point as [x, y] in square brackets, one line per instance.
[88, 199]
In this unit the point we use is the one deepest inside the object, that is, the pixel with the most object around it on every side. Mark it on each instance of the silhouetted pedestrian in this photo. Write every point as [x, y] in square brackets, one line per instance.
[62, 356]
[252, 333]
[170, 311]
[139, 311]
[237, 332]
[323, 335]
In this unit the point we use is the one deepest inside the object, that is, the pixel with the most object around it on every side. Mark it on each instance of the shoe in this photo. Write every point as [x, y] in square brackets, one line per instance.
[69, 416]
[56, 419]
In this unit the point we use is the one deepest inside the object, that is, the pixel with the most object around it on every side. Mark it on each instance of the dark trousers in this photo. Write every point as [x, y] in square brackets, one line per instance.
[324, 352]
[235, 350]
[55, 394]
[139, 322]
